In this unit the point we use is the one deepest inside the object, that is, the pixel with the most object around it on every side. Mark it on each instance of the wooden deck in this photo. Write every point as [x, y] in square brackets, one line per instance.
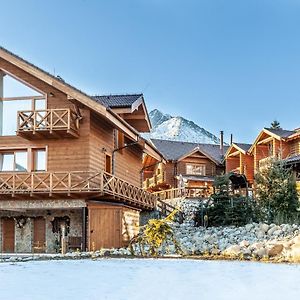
[90, 185]
[48, 123]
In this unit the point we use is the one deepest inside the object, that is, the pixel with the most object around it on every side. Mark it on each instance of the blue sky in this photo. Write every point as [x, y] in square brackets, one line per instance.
[231, 65]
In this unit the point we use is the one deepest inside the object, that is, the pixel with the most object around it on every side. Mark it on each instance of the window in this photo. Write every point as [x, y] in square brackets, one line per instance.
[39, 159]
[14, 161]
[8, 124]
[107, 163]
[10, 108]
[193, 169]
[120, 141]
[26, 160]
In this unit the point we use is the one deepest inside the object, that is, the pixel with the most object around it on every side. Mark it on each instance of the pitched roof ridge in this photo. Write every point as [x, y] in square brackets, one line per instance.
[118, 95]
[279, 129]
[57, 77]
[184, 142]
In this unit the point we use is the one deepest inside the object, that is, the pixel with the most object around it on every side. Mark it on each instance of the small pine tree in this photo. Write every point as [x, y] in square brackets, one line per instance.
[276, 191]
[275, 125]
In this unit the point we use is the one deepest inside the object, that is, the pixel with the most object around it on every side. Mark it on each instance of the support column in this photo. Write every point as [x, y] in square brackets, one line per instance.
[84, 229]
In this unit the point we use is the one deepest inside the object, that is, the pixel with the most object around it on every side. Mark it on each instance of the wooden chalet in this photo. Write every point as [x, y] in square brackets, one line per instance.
[272, 143]
[70, 164]
[238, 160]
[189, 166]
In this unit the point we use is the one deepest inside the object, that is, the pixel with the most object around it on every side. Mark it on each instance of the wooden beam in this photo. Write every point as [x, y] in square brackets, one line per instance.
[266, 140]
[234, 154]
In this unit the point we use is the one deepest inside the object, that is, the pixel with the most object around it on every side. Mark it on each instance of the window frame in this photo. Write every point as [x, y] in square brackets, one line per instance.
[32, 99]
[30, 157]
[195, 165]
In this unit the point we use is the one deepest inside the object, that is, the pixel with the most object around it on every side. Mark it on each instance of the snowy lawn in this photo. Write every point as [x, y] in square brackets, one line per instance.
[148, 279]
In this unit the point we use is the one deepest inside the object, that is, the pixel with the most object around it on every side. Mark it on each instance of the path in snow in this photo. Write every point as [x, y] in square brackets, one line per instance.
[138, 279]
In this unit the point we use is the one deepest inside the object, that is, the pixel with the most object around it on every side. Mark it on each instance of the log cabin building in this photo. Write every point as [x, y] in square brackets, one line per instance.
[271, 143]
[189, 165]
[238, 160]
[70, 163]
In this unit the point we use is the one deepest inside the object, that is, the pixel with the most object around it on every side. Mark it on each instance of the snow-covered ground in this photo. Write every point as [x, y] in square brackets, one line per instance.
[144, 279]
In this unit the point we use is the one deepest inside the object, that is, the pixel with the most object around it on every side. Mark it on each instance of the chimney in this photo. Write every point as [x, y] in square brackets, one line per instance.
[222, 142]
[231, 139]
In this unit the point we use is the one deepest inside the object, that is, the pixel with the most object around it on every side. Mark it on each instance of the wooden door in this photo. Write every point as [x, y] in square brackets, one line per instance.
[8, 235]
[105, 228]
[39, 235]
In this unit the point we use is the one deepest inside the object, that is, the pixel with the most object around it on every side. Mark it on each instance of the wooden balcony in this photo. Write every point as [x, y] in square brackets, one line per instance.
[48, 123]
[87, 185]
[154, 181]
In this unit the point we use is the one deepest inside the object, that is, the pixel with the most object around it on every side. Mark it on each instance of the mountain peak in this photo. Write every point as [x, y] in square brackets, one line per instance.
[165, 126]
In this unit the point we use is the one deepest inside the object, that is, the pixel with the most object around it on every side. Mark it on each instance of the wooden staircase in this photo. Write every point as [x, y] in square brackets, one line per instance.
[165, 209]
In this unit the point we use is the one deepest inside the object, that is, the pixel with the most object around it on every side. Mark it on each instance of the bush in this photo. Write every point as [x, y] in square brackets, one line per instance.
[236, 211]
[276, 192]
[225, 209]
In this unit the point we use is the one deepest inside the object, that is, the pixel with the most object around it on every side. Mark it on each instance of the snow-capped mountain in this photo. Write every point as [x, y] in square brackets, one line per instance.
[167, 127]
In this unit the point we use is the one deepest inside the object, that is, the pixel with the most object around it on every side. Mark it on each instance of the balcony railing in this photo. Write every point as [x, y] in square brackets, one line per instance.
[87, 184]
[54, 122]
[175, 193]
[153, 181]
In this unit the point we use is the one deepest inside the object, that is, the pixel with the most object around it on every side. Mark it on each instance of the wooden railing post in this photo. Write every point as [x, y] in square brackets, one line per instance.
[101, 180]
[69, 184]
[34, 122]
[69, 119]
[50, 184]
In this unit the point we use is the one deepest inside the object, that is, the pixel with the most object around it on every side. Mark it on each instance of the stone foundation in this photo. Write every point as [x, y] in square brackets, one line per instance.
[24, 235]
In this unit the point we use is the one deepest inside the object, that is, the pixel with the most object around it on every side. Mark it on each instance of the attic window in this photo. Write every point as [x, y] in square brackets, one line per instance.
[195, 169]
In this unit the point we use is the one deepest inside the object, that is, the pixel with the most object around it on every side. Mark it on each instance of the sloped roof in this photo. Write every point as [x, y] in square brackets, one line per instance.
[117, 101]
[281, 132]
[58, 83]
[174, 150]
[243, 146]
[292, 159]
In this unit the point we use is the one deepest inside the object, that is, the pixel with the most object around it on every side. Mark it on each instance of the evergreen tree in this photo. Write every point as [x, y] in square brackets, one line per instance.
[276, 191]
[275, 125]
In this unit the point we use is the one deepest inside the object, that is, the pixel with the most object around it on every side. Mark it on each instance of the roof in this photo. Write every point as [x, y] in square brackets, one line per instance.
[280, 134]
[283, 133]
[117, 101]
[292, 160]
[77, 94]
[244, 147]
[174, 150]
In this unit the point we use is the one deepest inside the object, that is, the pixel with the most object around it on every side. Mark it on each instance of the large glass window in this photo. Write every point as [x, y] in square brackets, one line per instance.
[195, 169]
[21, 161]
[39, 160]
[6, 161]
[10, 108]
[13, 161]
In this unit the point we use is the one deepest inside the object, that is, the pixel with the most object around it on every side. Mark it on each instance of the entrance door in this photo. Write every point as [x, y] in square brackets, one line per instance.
[8, 235]
[39, 235]
[105, 228]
